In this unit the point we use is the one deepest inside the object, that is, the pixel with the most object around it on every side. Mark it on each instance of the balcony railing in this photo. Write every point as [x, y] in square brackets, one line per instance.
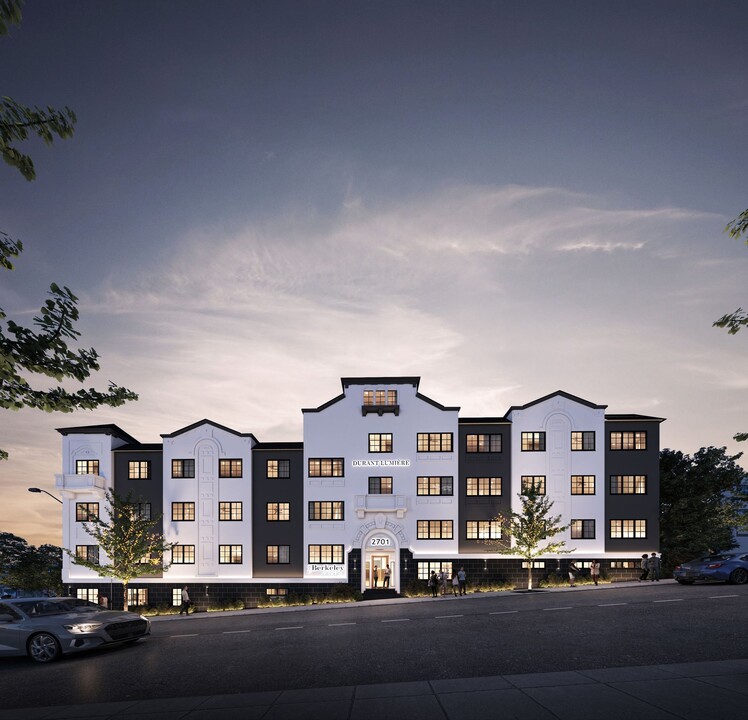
[80, 483]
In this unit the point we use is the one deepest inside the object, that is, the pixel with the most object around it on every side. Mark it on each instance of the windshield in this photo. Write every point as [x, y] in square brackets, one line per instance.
[37, 608]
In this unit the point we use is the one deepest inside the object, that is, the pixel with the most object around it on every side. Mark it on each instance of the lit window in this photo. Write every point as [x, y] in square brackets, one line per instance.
[141, 510]
[183, 555]
[380, 442]
[328, 554]
[176, 597]
[278, 511]
[583, 440]
[582, 484]
[279, 468]
[90, 594]
[137, 597]
[628, 528]
[273, 592]
[434, 442]
[278, 554]
[628, 440]
[533, 442]
[183, 469]
[483, 530]
[85, 511]
[326, 510]
[325, 467]
[139, 470]
[380, 397]
[380, 486]
[536, 482]
[229, 511]
[484, 443]
[230, 468]
[89, 553]
[476, 486]
[434, 529]
[183, 511]
[425, 567]
[582, 529]
[628, 484]
[86, 467]
[435, 485]
[229, 554]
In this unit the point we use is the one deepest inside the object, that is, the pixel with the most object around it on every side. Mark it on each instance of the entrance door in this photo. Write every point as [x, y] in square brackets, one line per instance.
[376, 566]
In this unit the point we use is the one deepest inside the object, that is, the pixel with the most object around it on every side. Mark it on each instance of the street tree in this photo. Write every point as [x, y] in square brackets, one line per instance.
[531, 533]
[26, 352]
[130, 545]
[23, 566]
[702, 501]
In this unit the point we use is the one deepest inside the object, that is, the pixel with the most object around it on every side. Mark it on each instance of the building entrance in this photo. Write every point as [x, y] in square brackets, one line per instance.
[376, 570]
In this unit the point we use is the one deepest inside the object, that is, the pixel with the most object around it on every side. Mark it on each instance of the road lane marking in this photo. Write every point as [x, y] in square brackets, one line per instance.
[398, 620]
[291, 627]
[185, 635]
[611, 604]
[339, 624]
[671, 600]
[717, 597]
[442, 617]
[234, 632]
[566, 607]
[503, 612]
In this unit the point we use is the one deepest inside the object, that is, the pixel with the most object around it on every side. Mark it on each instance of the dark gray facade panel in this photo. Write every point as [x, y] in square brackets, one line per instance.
[149, 490]
[291, 532]
[482, 465]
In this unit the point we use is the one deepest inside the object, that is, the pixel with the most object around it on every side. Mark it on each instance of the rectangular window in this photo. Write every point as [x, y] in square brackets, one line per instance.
[425, 567]
[628, 528]
[434, 529]
[84, 511]
[582, 484]
[90, 594]
[139, 470]
[477, 486]
[86, 467]
[278, 511]
[325, 467]
[183, 469]
[533, 442]
[483, 530]
[435, 485]
[278, 554]
[142, 510]
[380, 442]
[533, 481]
[628, 484]
[183, 555]
[328, 554]
[274, 592]
[434, 442]
[230, 468]
[380, 486]
[380, 397]
[582, 529]
[628, 440]
[484, 443]
[326, 510]
[137, 596]
[583, 440]
[229, 554]
[183, 511]
[623, 564]
[230, 511]
[279, 468]
[89, 553]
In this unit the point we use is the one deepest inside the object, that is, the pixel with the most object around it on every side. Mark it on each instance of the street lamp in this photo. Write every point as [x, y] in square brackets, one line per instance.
[39, 490]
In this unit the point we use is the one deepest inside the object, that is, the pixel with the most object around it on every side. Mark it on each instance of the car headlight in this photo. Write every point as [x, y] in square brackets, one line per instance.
[83, 627]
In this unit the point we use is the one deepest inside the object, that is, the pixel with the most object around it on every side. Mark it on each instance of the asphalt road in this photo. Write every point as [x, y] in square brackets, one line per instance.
[424, 640]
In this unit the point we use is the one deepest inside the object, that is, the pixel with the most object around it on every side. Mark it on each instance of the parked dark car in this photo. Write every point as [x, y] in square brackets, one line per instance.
[723, 567]
[45, 628]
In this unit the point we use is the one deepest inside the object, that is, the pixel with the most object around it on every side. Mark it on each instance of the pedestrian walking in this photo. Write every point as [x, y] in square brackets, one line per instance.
[595, 570]
[455, 585]
[443, 582]
[186, 602]
[644, 566]
[654, 565]
[462, 577]
[573, 570]
[433, 582]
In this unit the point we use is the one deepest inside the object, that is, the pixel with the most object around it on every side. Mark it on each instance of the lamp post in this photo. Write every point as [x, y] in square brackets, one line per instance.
[39, 490]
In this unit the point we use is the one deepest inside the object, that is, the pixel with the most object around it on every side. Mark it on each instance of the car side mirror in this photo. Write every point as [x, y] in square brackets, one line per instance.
[5, 618]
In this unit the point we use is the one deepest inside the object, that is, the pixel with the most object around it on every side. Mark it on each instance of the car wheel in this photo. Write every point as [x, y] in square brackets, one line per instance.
[684, 582]
[739, 576]
[44, 648]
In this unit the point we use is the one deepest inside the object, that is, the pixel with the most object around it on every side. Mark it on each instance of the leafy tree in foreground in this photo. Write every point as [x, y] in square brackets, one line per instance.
[702, 501]
[129, 545]
[530, 533]
[25, 567]
[42, 351]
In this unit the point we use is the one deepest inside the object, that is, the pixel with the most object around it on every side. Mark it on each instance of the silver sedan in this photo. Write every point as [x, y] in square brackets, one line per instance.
[46, 628]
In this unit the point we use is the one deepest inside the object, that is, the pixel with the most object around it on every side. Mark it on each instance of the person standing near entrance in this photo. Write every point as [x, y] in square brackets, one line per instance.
[387, 574]
[375, 575]
[653, 565]
[185, 608]
[463, 581]
[595, 570]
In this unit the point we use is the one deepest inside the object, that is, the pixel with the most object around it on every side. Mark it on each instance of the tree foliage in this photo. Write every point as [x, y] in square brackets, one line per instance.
[530, 533]
[25, 567]
[44, 350]
[129, 544]
[702, 501]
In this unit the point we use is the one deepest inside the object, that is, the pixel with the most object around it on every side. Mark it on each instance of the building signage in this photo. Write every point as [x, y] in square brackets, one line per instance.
[325, 570]
[380, 542]
[380, 463]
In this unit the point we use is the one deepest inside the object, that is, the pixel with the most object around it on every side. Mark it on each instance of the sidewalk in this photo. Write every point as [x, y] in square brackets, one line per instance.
[684, 691]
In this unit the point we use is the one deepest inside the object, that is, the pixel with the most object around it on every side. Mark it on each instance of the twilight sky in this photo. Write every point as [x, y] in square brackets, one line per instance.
[504, 198]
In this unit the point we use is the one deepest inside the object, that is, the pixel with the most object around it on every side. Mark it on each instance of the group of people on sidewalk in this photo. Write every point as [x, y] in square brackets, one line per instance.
[650, 566]
[458, 582]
